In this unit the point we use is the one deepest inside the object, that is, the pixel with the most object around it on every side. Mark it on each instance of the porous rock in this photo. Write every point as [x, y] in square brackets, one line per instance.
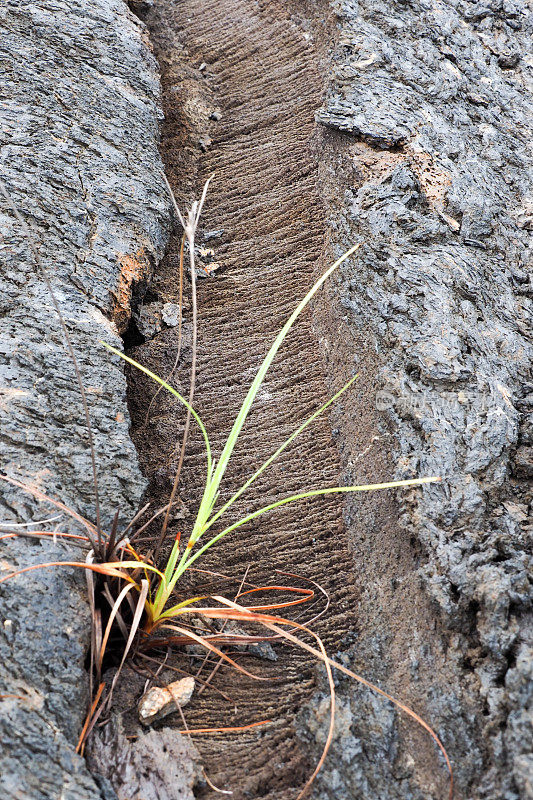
[434, 103]
[79, 156]
[155, 765]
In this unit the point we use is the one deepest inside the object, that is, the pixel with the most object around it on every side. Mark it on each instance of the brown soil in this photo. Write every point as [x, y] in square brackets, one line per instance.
[255, 67]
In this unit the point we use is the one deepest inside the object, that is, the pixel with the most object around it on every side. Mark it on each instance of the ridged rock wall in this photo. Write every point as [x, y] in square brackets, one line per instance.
[79, 156]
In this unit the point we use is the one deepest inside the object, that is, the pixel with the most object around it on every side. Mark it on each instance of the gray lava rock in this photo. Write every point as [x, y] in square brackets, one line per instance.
[157, 765]
[79, 155]
[433, 98]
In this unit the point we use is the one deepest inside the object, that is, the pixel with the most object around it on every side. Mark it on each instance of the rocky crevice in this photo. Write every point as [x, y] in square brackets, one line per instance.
[420, 153]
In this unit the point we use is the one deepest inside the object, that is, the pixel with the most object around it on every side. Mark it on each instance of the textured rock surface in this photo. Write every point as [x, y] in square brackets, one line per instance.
[427, 110]
[78, 153]
[435, 103]
[157, 765]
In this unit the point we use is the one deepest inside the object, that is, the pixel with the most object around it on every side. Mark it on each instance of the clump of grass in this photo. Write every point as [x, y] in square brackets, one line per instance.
[128, 574]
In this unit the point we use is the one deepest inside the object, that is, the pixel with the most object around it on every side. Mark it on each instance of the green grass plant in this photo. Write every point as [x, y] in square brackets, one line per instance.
[128, 572]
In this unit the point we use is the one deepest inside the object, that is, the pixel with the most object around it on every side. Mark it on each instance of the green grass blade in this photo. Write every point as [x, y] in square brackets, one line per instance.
[176, 610]
[301, 496]
[207, 502]
[278, 452]
[173, 391]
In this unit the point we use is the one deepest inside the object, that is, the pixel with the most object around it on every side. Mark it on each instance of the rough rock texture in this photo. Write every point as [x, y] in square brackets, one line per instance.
[157, 765]
[424, 143]
[79, 155]
[434, 99]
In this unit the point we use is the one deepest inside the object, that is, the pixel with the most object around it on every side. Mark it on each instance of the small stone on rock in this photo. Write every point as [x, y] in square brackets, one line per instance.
[160, 701]
[170, 314]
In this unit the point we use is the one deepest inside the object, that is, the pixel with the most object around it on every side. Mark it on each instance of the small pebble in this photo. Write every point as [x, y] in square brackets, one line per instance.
[170, 314]
[160, 701]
